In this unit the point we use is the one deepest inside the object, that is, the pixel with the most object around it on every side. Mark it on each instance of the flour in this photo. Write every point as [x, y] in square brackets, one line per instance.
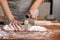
[32, 28]
[6, 27]
[37, 28]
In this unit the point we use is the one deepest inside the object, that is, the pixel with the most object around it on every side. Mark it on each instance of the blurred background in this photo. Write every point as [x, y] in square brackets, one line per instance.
[45, 8]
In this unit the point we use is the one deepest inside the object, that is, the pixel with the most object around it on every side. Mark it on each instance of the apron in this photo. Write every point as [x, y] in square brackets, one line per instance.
[19, 8]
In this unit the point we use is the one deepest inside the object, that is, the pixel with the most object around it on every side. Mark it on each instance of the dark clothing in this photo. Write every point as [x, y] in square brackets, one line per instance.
[19, 8]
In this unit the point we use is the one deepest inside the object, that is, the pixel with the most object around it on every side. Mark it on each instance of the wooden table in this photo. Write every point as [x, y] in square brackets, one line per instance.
[53, 33]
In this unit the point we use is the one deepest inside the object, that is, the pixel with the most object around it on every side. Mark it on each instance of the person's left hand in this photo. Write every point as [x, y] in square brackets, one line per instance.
[34, 13]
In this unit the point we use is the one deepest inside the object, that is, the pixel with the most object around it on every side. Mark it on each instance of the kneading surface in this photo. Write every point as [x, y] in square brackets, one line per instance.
[37, 28]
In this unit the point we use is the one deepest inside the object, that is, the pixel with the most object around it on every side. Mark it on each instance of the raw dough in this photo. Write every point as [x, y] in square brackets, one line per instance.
[6, 27]
[37, 28]
[32, 28]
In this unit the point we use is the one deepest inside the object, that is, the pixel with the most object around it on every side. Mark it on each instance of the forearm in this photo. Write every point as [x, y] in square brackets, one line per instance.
[37, 3]
[6, 9]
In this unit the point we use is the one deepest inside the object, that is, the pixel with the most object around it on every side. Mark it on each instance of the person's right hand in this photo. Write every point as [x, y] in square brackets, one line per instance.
[15, 24]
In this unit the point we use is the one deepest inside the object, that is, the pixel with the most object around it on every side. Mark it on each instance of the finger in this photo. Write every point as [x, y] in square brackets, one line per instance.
[32, 13]
[10, 25]
[36, 13]
[19, 24]
[19, 27]
[15, 27]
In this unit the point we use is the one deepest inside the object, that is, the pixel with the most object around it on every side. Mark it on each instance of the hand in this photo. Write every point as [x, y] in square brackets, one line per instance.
[34, 13]
[15, 25]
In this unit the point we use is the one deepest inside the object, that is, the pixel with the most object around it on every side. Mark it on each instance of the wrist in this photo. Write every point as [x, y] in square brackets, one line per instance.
[11, 19]
[33, 8]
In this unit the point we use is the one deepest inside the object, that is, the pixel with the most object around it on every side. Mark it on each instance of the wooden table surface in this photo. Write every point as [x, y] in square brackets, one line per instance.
[53, 33]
